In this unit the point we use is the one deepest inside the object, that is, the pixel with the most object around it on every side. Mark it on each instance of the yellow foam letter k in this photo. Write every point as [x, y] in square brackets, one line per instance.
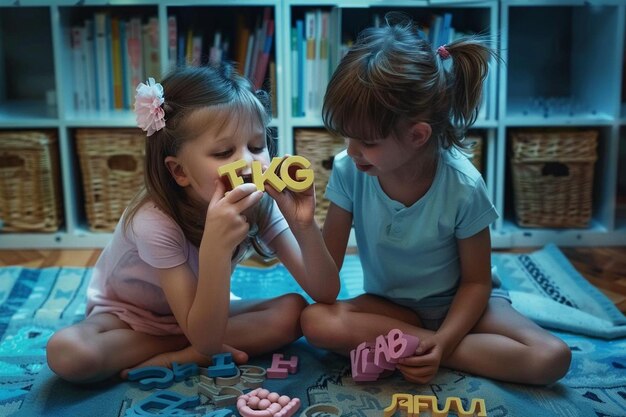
[269, 175]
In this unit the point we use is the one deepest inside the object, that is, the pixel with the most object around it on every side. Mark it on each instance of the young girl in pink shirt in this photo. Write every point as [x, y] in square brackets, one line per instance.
[160, 291]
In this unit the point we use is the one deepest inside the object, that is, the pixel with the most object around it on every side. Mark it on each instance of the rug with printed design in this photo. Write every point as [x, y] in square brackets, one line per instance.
[36, 302]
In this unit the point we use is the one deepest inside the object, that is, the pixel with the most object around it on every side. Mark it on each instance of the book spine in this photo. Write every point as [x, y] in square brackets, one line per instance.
[135, 57]
[248, 63]
[116, 64]
[77, 46]
[301, 65]
[309, 85]
[261, 69]
[172, 42]
[243, 35]
[125, 64]
[215, 54]
[102, 61]
[294, 72]
[324, 68]
[90, 67]
[196, 51]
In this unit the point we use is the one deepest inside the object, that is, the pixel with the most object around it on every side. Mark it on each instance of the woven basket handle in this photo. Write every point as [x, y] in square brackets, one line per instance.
[555, 169]
[328, 163]
[11, 161]
[123, 163]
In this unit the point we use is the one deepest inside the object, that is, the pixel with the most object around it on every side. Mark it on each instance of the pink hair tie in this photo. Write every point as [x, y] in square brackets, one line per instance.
[443, 52]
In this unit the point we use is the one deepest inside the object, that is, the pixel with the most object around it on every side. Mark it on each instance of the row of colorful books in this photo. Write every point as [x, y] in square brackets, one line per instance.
[110, 57]
[251, 50]
[317, 46]
[314, 40]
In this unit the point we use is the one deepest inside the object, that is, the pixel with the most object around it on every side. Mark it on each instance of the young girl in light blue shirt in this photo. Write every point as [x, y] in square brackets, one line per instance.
[421, 214]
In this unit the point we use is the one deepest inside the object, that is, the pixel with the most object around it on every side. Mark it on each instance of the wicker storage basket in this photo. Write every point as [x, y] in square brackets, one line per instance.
[319, 147]
[30, 189]
[111, 161]
[553, 177]
[475, 150]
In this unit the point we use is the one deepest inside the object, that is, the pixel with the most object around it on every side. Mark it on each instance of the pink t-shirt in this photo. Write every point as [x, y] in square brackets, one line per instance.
[125, 280]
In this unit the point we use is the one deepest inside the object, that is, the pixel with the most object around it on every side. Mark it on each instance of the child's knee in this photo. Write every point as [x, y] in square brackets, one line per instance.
[560, 357]
[71, 358]
[316, 321]
[293, 304]
[553, 359]
[286, 317]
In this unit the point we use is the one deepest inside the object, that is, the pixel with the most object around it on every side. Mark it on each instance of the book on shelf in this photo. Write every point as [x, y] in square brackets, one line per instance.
[293, 38]
[181, 49]
[434, 32]
[446, 26]
[215, 52]
[102, 34]
[264, 56]
[172, 41]
[249, 51]
[253, 50]
[259, 42]
[189, 47]
[124, 64]
[313, 58]
[110, 57]
[322, 53]
[376, 20]
[134, 46]
[273, 88]
[116, 64]
[90, 66]
[310, 93]
[225, 52]
[196, 50]
[334, 39]
[301, 68]
[243, 37]
[77, 36]
[150, 48]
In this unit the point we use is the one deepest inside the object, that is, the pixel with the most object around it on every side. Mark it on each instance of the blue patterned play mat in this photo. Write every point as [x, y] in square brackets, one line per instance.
[35, 302]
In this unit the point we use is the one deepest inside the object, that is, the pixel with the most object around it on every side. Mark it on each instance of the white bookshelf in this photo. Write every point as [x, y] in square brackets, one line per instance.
[556, 48]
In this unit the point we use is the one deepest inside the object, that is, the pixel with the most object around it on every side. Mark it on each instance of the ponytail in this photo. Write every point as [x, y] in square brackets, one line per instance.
[470, 65]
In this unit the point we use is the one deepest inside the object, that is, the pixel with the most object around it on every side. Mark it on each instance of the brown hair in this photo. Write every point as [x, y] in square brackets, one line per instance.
[392, 74]
[217, 91]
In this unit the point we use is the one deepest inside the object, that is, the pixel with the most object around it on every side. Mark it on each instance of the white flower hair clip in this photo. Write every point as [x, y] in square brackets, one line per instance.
[148, 101]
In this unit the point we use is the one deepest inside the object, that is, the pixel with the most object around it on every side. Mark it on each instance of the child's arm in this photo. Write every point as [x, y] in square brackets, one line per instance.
[467, 307]
[201, 305]
[336, 232]
[474, 290]
[301, 248]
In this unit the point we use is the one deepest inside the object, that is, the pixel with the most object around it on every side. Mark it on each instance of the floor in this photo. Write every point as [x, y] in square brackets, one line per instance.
[604, 267]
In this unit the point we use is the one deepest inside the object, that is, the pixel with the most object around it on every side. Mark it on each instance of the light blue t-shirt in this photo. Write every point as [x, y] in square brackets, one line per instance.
[410, 254]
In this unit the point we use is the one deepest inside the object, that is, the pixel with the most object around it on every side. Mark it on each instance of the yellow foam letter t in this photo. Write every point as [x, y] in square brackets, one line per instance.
[231, 171]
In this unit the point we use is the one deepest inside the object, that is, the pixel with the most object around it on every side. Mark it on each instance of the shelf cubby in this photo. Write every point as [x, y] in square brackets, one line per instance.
[27, 78]
[561, 64]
